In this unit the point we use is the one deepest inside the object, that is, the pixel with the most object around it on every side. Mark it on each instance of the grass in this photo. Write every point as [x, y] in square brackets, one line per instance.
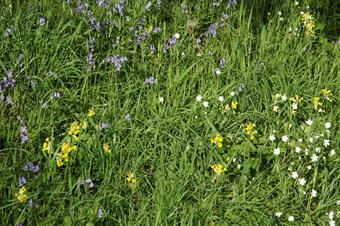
[166, 145]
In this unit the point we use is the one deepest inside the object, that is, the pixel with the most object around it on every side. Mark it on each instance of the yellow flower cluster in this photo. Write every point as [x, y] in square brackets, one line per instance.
[250, 130]
[107, 148]
[63, 155]
[218, 168]
[91, 113]
[22, 194]
[131, 179]
[327, 93]
[74, 130]
[232, 106]
[47, 146]
[318, 102]
[295, 103]
[217, 140]
[309, 23]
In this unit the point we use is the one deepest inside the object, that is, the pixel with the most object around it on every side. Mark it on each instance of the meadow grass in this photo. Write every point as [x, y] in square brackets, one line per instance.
[163, 135]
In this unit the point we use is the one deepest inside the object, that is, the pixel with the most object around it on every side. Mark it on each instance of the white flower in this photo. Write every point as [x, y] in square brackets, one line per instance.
[317, 149]
[206, 104]
[284, 138]
[199, 98]
[297, 149]
[309, 167]
[296, 3]
[331, 215]
[272, 137]
[338, 202]
[291, 218]
[276, 151]
[328, 125]
[326, 143]
[177, 36]
[221, 98]
[295, 106]
[239, 166]
[314, 158]
[284, 97]
[302, 181]
[278, 214]
[295, 175]
[309, 122]
[161, 99]
[314, 193]
[311, 139]
[218, 71]
[232, 94]
[332, 223]
[332, 153]
[306, 151]
[300, 140]
[279, 13]
[276, 108]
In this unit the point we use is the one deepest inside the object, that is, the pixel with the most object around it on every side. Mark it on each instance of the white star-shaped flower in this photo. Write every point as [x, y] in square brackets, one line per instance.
[309, 122]
[284, 138]
[206, 104]
[328, 125]
[314, 158]
[276, 151]
[295, 175]
[199, 98]
[326, 143]
[272, 137]
[291, 218]
[302, 181]
[314, 193]
[221, 98]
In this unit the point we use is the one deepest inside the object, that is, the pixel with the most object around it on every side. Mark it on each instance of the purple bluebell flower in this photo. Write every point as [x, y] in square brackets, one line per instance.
[30, 203]
[152, 48]
[103, 126]
[222, 62]
[117, 61]
[150, 80]
[224, 17]
[184, 8]
[22, 181]
[212, 29]
[100, 213]
[81, 7]
[156, 30]
[90, 58]
[241, 87]
[89, 182]
[9, 80]
[140, 38]
[262, 62]
[9, 32]
[55, 95]
[170, 42]
[31, 83]
[9, 101]
[24, 135]
[103, 3]
[31, 167]
[42, 21]
[198, 40]
[119, 7]
[232, 2]
[1, 88]
[20, 119]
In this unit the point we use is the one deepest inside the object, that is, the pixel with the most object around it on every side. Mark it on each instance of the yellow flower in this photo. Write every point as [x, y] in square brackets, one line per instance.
[276, 108]
[317, 103]
[131, 179]
[84, 125]
[22, 194]
[47, 146]
[217, 140]
[250, 130]
[309, 23]
[234, 104]
[107, 148]
[74, 129]
[327, 94]
[59, 162]
[218, 168]
[91, 113]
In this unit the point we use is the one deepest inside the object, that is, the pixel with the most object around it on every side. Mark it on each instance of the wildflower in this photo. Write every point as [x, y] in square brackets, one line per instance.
[314, 158]
[206, 104]
[326, 143]
[250, 130]
[22, 181]
[291, 218]
[332, 153]
[59, 162]
[161, 100]
[31, 167]
[232, 94]
[217, 71]
[42, 21]
[131, 179]
[89, 182]
[276, 108]
[127, 117]
[234, 104]
[212, 29]
[91, 113]
[272, 137]
[302, 181]
[221, 98]
[295, 103]
[199, 98]
[103, 126]
[218, 168]
[150, 80]
[278, 214]
[217, 140]
[314, 193]
[100, 213]
[309, 122]
[107, 148]
[317, 103]
[74, 129]
[222, 62]
[22, 194]
[309, 24]
[328, 125]
[297, 149]
[327, 94]
[24, 135]
[295, 175]
[285, 138]
[276, 151]
[176, 36]
[47, 146]
[117, 61]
